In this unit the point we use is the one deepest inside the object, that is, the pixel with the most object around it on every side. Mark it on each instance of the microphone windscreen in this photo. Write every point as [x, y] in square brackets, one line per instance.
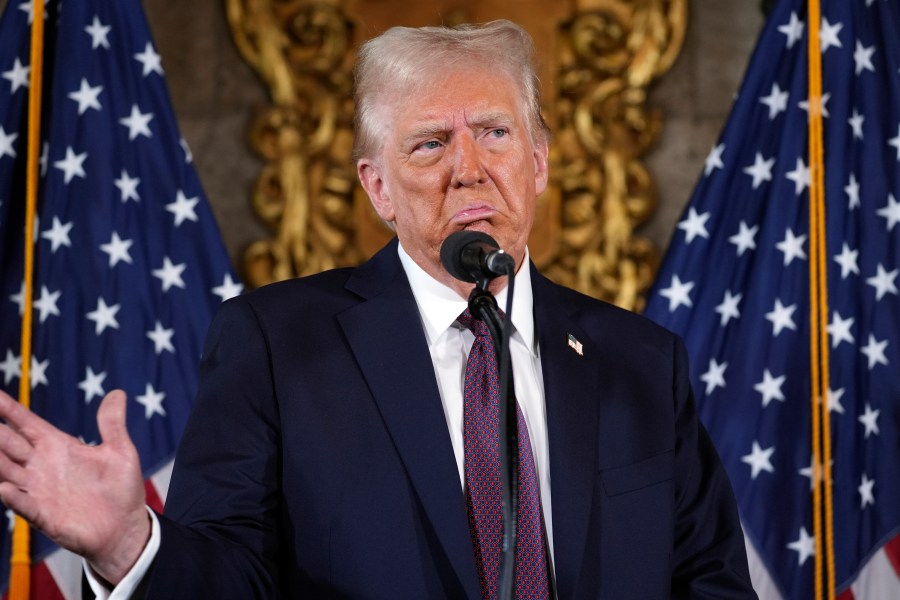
[452, 252]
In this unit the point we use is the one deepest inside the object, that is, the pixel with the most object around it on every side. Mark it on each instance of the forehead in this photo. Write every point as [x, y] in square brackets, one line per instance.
[464, 95]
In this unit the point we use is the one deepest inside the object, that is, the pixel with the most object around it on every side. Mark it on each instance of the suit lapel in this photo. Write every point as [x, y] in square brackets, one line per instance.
[386, 337]
[570, 391]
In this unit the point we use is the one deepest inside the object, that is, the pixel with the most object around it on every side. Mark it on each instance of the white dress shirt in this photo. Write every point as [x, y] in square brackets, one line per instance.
[449, 345]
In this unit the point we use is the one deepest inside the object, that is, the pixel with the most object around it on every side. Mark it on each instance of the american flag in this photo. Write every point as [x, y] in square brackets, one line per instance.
[735, 285]
[129, 263]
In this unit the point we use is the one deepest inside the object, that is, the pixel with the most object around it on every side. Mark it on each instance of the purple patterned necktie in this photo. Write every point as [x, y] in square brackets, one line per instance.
[481, 434]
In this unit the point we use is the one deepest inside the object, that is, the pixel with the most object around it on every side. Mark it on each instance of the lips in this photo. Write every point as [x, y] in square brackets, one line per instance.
[474, 212]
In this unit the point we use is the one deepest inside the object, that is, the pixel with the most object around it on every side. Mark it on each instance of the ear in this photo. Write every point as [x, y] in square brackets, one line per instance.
[541, 169]
[370, 177]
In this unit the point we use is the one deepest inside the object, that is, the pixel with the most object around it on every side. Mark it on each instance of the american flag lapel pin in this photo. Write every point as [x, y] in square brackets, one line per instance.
[575, 345]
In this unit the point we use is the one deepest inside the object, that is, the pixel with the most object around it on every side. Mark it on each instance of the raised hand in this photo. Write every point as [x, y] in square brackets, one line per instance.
[88, 499]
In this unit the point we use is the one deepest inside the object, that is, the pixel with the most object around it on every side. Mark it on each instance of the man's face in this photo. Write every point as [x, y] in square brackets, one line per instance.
[457, 155]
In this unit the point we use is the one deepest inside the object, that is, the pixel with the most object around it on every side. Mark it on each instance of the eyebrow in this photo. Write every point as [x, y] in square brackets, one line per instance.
[480, 120]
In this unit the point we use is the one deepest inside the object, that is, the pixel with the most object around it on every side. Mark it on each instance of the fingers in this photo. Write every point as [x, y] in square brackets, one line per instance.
[10, 472]
[14, 445]
[21, 419]
[111, 419]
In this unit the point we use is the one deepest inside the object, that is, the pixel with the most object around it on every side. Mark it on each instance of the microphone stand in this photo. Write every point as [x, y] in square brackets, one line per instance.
[483, 306]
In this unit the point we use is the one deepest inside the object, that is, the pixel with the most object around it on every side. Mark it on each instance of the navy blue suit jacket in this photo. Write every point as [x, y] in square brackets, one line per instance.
[318, 462]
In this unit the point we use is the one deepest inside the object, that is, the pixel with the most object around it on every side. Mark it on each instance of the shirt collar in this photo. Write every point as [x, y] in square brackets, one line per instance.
[439, 305]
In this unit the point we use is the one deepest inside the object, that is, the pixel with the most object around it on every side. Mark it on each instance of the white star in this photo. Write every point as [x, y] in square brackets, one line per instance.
[28, 8]
[170, 274]
[678, 293]
[869, 420]
[800, 176]
[152, 402]
[118, 250]
[781, 318]
[828, 35]
[39, 372]
[98, 32]
[839, 330]
[694, 225]
[162, 338]
[138, 123]
[874, 351]
[866, 495]
[6, 143]
[92, 385]
[228, 289]
[87, 97]
[188, 156]
[817, 104]
[745, 238]
[10, 519]
[856, 123]
[891, 212]
[758, 459]
[58, 234]
[150, 60]
[128, 187]
[714, 376]
[805, 546]
[776, 101]
[862, 56]
[770, 388]
[834, 400]
[793, 30]
[47, 303]
[19, 299]
[183, 208]
[729, 308]
[17, 76]
[895, 142]
[883, 282]
[72, 165]
[852, 190]
[104, 316]
[848, 261]
[760, 170]
[792, 246]
[11, 367]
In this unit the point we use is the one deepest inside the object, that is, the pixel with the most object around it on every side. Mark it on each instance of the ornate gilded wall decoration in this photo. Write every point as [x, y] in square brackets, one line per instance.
[600, 55]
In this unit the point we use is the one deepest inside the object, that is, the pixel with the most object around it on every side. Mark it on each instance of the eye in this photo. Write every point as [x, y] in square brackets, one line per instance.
[429, 145]
[498, 133]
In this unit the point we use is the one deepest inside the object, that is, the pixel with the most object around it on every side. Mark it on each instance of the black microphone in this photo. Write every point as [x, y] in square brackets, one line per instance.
[474, 257]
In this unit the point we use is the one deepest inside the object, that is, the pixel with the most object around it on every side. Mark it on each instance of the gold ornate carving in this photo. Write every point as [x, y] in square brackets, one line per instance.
[305, 191]
[607, 53]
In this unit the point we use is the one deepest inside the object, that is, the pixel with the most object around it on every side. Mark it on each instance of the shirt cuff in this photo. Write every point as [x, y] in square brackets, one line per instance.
[129, 583]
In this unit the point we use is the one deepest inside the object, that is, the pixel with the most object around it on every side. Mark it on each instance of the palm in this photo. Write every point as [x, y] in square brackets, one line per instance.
[89, 499]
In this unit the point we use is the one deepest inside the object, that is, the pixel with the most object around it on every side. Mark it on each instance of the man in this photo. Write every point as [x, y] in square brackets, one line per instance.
[328, 454]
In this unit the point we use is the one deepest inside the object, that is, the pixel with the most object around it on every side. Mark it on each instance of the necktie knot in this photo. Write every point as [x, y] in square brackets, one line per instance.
[476, 326]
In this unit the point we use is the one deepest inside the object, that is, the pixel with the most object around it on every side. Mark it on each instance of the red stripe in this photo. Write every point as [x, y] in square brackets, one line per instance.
[153, 499]
[846, 595]
[892, 550]
[43, 586]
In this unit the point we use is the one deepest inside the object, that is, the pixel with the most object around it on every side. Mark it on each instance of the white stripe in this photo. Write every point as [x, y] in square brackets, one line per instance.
[66, 569]
[877, 580]
[160, 480]
[759, 575]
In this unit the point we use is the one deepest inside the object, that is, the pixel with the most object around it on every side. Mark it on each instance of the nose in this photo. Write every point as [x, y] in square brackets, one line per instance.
[467, 166]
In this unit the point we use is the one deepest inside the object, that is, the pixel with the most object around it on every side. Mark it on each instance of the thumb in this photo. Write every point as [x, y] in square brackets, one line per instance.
[111, 419]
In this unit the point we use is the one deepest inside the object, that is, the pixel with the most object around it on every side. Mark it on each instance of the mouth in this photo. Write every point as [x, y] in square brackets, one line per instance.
[472, 213]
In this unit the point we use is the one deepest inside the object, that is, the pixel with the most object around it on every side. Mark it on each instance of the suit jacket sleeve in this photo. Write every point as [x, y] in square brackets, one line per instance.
[219, 533]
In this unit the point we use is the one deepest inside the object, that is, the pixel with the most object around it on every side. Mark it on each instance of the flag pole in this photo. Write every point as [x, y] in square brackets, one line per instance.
[823, 525]
[20, 563]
